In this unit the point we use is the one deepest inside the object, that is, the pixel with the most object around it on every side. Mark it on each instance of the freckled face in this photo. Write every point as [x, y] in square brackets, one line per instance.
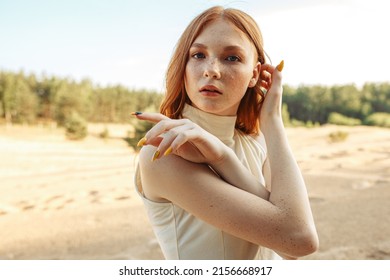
[222, 65]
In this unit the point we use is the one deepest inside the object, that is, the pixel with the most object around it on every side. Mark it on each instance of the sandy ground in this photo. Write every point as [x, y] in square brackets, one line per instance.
[62, 199]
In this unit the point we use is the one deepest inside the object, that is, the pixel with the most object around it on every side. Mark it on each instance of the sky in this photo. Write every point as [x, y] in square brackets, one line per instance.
[130, 42]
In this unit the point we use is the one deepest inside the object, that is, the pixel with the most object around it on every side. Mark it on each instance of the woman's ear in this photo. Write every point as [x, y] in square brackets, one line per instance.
[255, 75]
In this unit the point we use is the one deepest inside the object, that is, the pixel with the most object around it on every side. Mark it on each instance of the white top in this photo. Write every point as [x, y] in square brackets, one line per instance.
[183, 236]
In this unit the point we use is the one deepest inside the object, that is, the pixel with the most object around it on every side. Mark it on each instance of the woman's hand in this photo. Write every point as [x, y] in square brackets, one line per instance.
[183, 138]
[271, 109]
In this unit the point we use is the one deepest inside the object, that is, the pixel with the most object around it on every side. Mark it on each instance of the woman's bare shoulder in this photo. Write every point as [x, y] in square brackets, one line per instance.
[163, 178]
[149, 170]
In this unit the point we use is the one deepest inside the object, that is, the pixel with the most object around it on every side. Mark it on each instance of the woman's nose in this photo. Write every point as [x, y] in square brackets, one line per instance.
[212, 69]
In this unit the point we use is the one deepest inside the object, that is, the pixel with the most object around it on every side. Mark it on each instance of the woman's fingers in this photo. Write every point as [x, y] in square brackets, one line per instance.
[277, 75]
[266, 68]
[265, 78]
[165, 125]
[167, 135]
[150, 117]
[272, 76]
[173, 139]
[273, 98]
[153, 118]
[181, 137]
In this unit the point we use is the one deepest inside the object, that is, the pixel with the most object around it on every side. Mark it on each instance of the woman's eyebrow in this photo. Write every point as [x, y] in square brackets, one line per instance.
[227, 48]
[233, 48]
[198, 45]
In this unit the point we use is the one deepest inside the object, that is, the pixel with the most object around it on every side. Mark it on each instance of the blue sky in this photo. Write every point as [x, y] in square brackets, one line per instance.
[130, 42]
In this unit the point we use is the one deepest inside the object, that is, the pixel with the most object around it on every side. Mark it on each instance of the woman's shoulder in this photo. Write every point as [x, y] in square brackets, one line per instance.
[164, 177]
[149, 170]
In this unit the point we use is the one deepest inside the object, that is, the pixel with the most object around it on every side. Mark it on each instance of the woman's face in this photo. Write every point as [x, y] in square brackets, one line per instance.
[222, 65]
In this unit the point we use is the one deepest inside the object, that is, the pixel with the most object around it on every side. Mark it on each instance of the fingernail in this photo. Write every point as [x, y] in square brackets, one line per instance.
[136, 113]
[280, 66]
[155, 155]
[141, 142]
[168, 151]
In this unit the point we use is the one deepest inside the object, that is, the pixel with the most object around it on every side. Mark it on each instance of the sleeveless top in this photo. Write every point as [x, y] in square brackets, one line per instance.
[183, 236]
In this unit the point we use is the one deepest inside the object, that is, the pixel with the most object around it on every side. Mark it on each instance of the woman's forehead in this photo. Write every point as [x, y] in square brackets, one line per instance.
[223, 32]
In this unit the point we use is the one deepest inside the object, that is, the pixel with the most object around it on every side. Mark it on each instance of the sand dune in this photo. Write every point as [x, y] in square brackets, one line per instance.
[75, 200]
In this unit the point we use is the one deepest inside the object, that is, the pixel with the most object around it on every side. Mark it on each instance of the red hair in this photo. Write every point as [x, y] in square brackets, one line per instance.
[176, 95]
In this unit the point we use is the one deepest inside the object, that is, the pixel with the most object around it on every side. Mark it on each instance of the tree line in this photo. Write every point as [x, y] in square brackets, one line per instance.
[339, 104]
[31, 99]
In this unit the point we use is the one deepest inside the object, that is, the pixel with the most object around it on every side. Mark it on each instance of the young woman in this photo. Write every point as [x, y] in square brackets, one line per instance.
[216, 173]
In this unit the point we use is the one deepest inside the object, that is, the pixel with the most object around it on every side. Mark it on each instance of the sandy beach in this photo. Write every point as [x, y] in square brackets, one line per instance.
[62, 199]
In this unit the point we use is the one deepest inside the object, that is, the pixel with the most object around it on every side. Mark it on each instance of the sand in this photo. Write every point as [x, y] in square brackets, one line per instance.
[63, 199]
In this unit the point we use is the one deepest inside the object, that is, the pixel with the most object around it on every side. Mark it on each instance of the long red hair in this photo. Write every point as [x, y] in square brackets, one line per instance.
[176, 96]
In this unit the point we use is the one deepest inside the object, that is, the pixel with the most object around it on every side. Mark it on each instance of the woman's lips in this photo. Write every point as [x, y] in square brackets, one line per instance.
[210, 90]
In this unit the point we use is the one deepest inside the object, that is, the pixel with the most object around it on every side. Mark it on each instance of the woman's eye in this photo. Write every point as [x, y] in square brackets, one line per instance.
[233, 58]
[198, 55]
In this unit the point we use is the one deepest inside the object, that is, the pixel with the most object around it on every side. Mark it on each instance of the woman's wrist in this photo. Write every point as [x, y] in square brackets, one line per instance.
[223, 161]
[222, 164]
[271, 125]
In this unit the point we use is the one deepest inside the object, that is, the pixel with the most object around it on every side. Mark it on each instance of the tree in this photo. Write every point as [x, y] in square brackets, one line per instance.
[19, 103]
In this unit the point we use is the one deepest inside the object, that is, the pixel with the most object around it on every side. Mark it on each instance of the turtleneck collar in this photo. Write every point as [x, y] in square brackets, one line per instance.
[222, 127]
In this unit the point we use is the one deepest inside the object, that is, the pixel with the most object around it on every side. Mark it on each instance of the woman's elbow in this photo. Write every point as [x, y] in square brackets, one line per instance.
[306, 243]
[298, 243]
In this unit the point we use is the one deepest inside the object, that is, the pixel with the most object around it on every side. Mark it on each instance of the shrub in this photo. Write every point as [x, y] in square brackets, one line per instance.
[296, 123]
[105, 133]
[339, 119]
[378, 119]
[338, 136]
[310, 124]
[75, 127]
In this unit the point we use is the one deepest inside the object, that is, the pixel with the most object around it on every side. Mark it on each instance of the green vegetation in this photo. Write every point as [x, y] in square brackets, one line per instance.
[339, 119]
[317, 103]
[338, 136]
[378, 119]
[105, 133]
[75, 127]
[28, 99]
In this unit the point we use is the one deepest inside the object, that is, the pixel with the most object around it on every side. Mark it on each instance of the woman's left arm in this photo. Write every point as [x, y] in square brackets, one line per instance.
[282, 171]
